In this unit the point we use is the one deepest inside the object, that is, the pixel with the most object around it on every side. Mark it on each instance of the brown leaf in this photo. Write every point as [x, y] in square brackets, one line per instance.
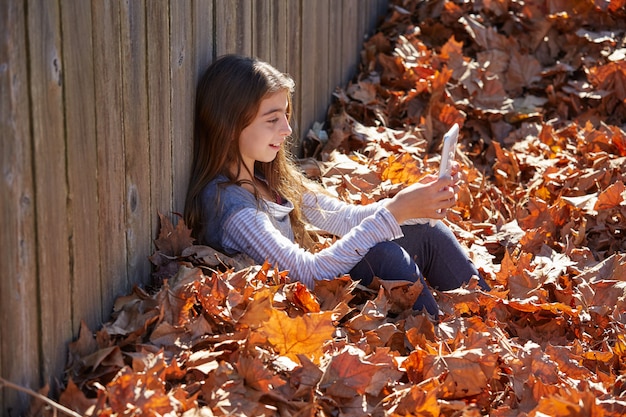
[172, 241]
[74, 399]
[613, 196]
[523, 71]
[257, 375]
[259, 310]
[347, 375]
[464, 375]
[333, 293]
[305, 378]
[401, 294]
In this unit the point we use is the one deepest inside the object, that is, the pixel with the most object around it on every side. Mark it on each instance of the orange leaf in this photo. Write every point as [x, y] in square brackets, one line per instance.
[568, 403]
[612, 197]
[304, 334]
[302, 297]
[404, 169]
[610, 77]
[416, 401]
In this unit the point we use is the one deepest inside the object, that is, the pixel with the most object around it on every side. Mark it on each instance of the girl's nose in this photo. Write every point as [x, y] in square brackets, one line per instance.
[286, 128]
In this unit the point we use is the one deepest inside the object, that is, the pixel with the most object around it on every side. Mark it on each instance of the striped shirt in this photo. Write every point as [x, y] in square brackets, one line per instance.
[236, 223]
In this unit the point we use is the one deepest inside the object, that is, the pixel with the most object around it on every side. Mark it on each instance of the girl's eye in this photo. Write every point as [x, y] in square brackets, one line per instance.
[273, 120]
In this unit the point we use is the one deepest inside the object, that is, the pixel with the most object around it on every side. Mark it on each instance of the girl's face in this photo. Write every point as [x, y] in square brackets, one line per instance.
[261, 140]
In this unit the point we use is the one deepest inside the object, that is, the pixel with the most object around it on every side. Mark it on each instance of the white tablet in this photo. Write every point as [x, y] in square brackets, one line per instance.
[447, 155]
[448, 151]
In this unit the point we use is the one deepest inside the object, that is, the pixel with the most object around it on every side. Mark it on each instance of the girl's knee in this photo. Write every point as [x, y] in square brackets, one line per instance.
[388, 250]
[390, 261]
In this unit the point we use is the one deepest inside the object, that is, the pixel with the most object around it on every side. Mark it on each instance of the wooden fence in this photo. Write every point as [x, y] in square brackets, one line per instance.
[96, 117]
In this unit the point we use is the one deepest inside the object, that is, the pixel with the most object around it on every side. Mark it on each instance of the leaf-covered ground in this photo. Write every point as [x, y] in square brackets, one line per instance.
[539, 88]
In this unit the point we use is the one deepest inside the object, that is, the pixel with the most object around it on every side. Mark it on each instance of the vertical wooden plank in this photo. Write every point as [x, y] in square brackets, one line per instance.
[226, 29]
[136, 144]
[46, 82]
[19, 344]
[80, 114]
[334, 46]
[373, 16]
[203, 40]
[182, 75]
[349, 41]
[111, 164]
[280, 35]
[279, 41]
[382, 7]
[262, 31]
[244, 26]
[360, 26]
[202, 36]
[321, 65]
[159, 111]
[293, 50]
[310, 64]
[233, 27]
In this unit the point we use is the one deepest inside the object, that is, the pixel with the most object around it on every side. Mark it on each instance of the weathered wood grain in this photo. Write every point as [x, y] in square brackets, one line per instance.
[19, 315]
[82, 157]
[51, 190]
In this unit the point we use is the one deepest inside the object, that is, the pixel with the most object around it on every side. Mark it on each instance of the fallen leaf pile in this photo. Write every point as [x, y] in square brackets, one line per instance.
[539, 90]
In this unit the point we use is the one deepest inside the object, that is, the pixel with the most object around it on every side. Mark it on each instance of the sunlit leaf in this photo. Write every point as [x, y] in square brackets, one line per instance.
[611, 197]
[302, 335]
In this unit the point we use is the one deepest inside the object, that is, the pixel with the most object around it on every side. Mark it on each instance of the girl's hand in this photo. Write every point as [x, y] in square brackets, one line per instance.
[455, 170]
[428, 198]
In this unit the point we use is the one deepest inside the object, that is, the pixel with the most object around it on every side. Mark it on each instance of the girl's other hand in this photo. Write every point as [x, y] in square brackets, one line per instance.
[455, 170]
[428, 198]
[456, 175]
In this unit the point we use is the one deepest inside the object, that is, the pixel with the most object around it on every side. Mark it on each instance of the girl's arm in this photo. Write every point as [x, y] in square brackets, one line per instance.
[251, 231]
[333, 215]
[423, 200]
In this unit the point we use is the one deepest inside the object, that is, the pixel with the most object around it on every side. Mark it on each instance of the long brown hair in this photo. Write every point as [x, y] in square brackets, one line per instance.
[228, 98]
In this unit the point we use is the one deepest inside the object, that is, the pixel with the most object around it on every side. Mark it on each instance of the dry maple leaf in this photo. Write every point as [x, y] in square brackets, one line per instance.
[257, 375]
[613, 196]
[172, 241]
[414, 401]
[347, 374]
[301, 335]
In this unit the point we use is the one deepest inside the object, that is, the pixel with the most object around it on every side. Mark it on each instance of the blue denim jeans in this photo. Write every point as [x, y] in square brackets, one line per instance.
[424, 251]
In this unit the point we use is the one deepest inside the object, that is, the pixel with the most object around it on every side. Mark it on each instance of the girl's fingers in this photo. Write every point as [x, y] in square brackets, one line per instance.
[428, 179]
[454, 168]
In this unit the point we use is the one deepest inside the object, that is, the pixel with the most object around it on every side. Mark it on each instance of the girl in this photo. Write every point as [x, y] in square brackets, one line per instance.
[246, 196]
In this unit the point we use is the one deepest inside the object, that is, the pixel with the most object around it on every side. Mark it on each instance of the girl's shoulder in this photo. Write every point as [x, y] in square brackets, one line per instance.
[222, 193]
